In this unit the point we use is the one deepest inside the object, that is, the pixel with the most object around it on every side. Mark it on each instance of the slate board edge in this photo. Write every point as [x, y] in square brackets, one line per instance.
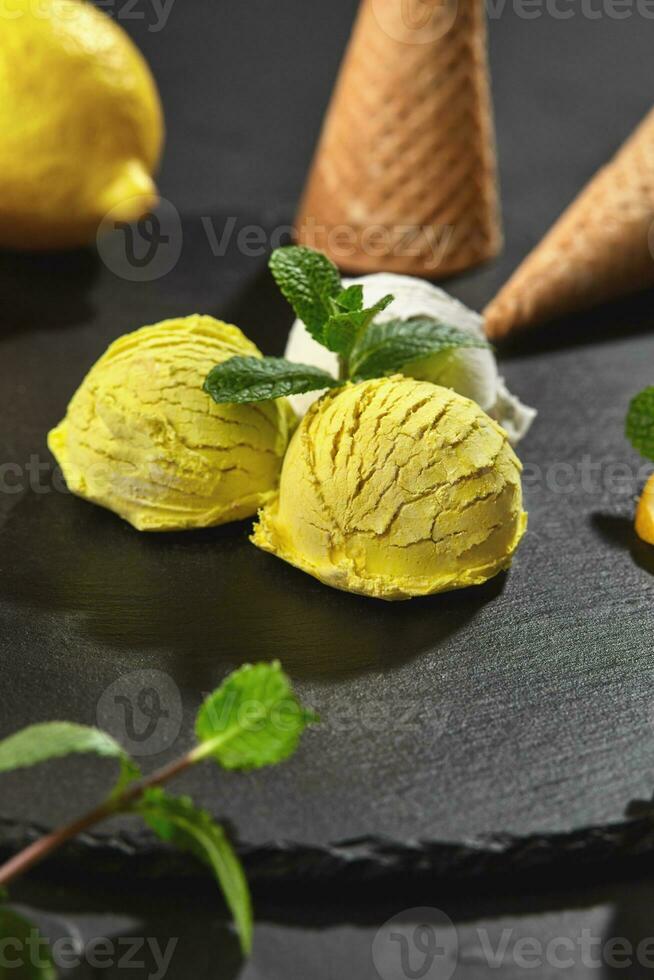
[359, 860]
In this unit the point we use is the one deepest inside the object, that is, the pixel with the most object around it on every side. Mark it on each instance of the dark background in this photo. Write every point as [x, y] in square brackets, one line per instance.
[244, 87]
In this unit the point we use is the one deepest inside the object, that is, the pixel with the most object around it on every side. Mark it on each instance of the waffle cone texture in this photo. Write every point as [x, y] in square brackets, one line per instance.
[598, 250]
[404, 176]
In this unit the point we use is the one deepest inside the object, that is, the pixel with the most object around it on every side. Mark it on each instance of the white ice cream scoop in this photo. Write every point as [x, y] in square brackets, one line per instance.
[469, 371]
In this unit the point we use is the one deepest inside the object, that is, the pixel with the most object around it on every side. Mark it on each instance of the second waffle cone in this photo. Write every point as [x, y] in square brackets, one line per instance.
[598, 250]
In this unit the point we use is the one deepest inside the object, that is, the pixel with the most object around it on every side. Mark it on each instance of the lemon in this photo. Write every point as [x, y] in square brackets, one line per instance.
[81, 126]
[645, 513]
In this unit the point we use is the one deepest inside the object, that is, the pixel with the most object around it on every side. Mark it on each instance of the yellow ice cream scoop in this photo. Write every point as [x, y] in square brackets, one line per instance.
[142, 438]
[81, 125]
[395, 488]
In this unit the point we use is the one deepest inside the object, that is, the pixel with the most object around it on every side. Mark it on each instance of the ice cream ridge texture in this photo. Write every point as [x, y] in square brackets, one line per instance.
[396, 488]
[142, 438]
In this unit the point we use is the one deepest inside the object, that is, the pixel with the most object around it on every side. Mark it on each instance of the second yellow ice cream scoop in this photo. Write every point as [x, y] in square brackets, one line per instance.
[81, 126]
[142, 438]
[395, 488]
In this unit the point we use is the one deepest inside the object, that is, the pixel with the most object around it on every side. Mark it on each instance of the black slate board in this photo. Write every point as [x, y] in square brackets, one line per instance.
[521, 711]
[520, 708]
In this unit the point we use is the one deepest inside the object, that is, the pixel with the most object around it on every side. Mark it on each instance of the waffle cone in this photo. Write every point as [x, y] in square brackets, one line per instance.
[404, 179]
[598, 250]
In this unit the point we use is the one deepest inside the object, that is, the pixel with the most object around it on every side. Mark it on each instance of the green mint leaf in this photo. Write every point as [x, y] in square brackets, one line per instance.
[343, 330]
[259, 379]
[640, 423]
[308, 280]
[379, 306]
[178, 821]
[388, 347]
[351, 298]
[252, 720]
[28, 954]
[55, 739]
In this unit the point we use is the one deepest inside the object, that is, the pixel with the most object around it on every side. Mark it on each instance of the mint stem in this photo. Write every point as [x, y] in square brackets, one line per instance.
[40, 849]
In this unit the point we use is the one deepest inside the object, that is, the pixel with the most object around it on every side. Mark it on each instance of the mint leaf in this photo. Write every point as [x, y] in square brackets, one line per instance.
[351, 298]
[308, 280]
[55, 739]
[28, 954]
[178, 821]
[388, 347]
[640, 423]
[259, 379]
[343, 330]
[379, 306]
[252, 720]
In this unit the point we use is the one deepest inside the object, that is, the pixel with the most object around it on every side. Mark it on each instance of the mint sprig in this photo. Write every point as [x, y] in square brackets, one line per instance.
[388, 347]
[640, 423]
[311, 283]
[350, 298]
[253, 719]
[308, 280]
[260, 695]
[344, 328]
[337, 319]
[56, 739]
[176, 820]
[258, 379]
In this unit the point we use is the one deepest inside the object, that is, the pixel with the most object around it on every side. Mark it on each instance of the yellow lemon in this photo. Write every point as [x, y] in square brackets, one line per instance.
[81, 125]
[645, 513]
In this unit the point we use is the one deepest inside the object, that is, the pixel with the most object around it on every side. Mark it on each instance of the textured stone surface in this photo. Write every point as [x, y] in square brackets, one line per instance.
[523, 708]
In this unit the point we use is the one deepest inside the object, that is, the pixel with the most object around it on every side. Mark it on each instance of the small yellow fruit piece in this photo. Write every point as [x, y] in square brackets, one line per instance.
[645, 513]
[395, 488]
[81, 127]
[142, 438]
